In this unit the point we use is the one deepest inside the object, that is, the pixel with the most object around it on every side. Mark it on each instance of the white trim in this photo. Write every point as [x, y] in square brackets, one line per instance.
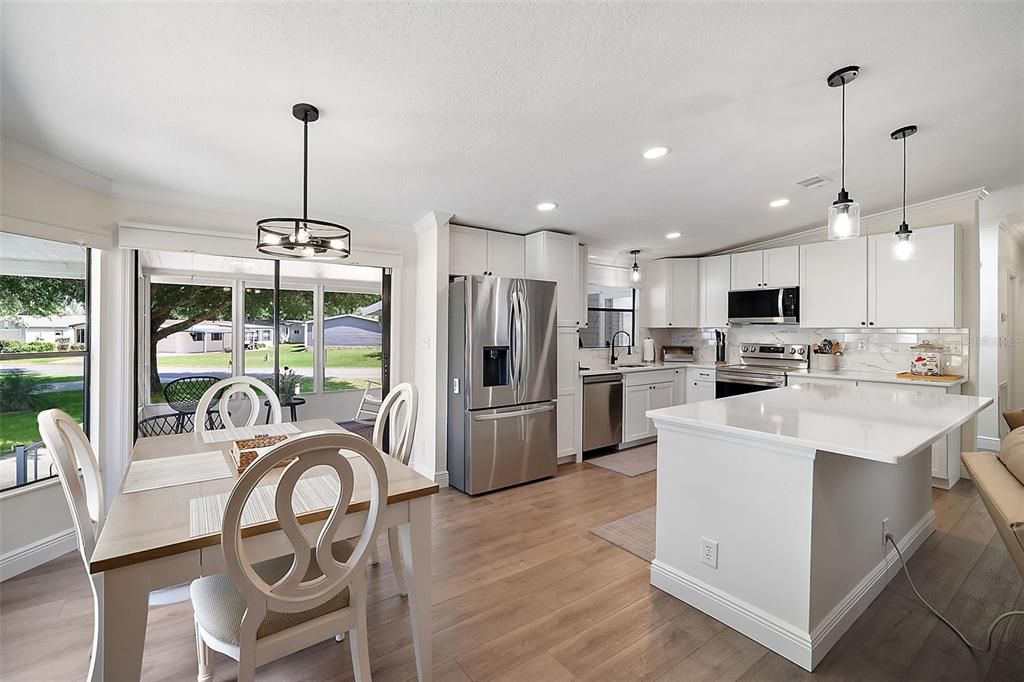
[51, 165]
[820, 233]
[825, 635]
[38, 553]
[571, 458]
[805, 649]
[988, 443]
[441, 478]
[29, 487]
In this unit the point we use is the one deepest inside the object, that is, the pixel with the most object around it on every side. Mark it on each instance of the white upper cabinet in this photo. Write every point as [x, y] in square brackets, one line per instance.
[782, 267]
[715, 280]
[506, 254]
[747, 270]
[555, 257]
[923, 291]
[671, 293]
[833, 283]
[770, 268]
[858, 282]
[484, 252]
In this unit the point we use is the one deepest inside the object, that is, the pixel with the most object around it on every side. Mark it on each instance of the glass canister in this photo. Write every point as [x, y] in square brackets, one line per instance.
[927, 359]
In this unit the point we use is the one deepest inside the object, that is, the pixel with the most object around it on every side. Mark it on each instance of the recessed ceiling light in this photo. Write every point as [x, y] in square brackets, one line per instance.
[779, 203]
[673, 235]
[547, 206]
[656, 152]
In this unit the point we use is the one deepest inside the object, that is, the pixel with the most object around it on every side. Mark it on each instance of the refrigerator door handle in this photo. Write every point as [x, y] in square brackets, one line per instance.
[513, 342]
[518, 413]
[520, 358]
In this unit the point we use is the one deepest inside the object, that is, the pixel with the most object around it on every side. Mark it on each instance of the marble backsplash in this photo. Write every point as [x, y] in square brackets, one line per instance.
[881, 351]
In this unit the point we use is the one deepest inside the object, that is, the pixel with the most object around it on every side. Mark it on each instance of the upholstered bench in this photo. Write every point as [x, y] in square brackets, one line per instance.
[999, 478]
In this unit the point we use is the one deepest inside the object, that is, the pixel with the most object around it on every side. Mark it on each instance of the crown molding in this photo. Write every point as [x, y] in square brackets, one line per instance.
[51, 165]
[431, 220]
[820, 233]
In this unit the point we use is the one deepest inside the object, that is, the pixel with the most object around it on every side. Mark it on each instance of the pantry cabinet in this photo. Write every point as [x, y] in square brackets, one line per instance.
[555, 257]
[768, 268]
[715, 279]
[859, 283]
[473, 251]
[670, 293]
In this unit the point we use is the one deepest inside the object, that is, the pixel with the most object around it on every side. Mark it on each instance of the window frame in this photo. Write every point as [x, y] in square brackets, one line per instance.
[85, 355]
[632, 310]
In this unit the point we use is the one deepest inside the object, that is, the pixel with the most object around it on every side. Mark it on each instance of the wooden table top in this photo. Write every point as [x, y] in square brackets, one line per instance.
[151, 524]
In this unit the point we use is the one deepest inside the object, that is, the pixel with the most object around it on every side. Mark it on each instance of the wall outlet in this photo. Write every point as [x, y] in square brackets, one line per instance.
[709, 552]
[862, 344]
[885, 531]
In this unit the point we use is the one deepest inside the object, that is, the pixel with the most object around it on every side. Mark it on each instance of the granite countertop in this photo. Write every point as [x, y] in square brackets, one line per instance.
[875, 423]
[875, 375]
[646, 368]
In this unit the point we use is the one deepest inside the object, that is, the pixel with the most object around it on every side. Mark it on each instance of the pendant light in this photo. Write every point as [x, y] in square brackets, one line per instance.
[303, 237]
[635, 275]
[844, 213]
[902, 247]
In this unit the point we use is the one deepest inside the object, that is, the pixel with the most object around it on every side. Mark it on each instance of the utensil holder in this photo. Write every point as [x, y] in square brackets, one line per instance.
[821, 361]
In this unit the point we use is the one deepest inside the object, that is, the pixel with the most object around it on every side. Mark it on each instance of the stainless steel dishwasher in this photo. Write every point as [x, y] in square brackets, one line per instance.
[602, 411]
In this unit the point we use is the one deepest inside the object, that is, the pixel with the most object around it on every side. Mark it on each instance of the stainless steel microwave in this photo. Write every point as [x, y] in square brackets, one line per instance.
[765, 306]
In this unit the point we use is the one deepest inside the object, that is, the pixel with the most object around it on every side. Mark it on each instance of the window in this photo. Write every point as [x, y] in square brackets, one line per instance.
[44, 356]
[351, 341]
[609, 310]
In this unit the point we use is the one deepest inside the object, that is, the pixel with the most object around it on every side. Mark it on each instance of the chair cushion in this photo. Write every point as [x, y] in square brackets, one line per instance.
[1014, 418]
[219, 606]
[1011, 454]
[1003, 496]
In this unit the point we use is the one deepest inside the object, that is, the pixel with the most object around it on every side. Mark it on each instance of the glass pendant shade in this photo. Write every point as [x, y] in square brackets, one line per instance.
[902, 246]
[635, 274]
[844, 220]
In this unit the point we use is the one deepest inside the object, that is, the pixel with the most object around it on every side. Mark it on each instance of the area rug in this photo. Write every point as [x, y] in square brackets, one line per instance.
[632, 462]
[633, 533]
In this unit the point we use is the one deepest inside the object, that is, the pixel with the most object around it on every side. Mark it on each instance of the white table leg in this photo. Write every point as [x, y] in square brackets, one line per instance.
[415, 537]
[123, 601]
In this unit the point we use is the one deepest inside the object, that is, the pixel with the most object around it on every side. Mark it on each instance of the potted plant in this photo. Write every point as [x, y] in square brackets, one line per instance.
[287, 384]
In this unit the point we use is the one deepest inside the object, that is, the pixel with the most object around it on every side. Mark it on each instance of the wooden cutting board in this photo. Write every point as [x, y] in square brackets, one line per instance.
[925, 377]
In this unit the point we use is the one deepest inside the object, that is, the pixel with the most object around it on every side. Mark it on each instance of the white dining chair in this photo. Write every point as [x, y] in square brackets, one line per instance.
[397, 411]
[258, 613]
[71, 452]
[246, 387]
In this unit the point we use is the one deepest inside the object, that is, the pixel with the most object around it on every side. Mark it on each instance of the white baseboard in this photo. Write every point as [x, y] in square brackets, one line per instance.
[805, 649]
[38, 553]
[566, 459]
[988, 443]
[441, 478]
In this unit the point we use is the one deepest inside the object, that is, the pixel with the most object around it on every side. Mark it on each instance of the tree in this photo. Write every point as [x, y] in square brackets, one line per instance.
[44, 296]
[188, 305]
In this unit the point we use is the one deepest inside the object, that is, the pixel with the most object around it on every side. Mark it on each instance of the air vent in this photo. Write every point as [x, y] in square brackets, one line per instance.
[813, 181]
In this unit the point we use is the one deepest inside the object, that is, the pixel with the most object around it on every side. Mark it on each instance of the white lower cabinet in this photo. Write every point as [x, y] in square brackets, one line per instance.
[635, 424]
[643, 391]
[565, 424]
[700, 384]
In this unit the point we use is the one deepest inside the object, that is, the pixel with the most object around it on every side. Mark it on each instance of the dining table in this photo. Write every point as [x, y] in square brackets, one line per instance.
[153, 539]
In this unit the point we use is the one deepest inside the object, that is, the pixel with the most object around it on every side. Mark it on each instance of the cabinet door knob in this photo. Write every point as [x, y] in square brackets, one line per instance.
[862, 324]
[872, 324]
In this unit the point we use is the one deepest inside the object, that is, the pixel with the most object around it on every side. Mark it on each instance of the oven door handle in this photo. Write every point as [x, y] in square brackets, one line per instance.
[748, 380]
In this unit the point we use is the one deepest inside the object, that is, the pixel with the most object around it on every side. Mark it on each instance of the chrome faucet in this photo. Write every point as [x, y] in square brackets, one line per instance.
[628, 346]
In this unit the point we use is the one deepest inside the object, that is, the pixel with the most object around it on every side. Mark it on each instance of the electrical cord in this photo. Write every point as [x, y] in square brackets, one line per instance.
[991, 628]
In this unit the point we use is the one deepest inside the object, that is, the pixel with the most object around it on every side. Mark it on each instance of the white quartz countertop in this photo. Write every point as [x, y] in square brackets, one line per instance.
[879, 424]
[646, 368]
[882, 377]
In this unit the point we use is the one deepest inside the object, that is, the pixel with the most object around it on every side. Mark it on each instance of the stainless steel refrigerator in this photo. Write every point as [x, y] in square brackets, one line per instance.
[501, 382]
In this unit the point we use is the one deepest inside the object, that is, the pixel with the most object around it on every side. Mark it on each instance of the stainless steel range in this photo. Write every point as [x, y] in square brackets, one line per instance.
[762, 367]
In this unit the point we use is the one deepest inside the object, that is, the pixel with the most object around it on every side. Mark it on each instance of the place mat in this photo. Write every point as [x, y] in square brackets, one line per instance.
[164, 472]
[240, 432]
[206, 514]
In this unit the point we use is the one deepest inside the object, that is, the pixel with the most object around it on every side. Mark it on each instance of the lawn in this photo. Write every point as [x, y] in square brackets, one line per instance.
[21, 427]
[292, 355]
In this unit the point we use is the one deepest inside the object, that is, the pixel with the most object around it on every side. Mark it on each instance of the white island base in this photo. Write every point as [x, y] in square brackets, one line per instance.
[798, 527]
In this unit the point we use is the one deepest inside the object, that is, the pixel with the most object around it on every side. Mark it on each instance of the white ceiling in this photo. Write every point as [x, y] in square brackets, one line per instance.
[485, 109]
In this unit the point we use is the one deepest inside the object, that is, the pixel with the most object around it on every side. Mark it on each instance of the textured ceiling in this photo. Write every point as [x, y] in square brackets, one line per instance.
[483, 110]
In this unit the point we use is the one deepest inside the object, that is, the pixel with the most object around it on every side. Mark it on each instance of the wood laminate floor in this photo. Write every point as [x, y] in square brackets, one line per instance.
[522, 591]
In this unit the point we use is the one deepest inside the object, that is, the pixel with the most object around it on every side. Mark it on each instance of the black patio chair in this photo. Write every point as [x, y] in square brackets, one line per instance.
[183, 395]
[170, 424]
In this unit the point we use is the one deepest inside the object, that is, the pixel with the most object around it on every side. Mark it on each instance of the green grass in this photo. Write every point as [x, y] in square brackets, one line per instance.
[292, 355]
[21, 427]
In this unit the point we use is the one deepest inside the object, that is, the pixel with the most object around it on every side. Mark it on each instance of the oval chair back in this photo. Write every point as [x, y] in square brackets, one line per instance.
[292, 593]
[70, 451]
[245, 386]
[400, 407]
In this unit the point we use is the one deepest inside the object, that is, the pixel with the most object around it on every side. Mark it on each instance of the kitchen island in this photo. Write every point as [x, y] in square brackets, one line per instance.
[772, 506]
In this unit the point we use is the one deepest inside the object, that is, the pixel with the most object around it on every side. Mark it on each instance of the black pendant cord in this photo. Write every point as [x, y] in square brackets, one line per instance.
[305, 164]
[843, 171]
[904, 180]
